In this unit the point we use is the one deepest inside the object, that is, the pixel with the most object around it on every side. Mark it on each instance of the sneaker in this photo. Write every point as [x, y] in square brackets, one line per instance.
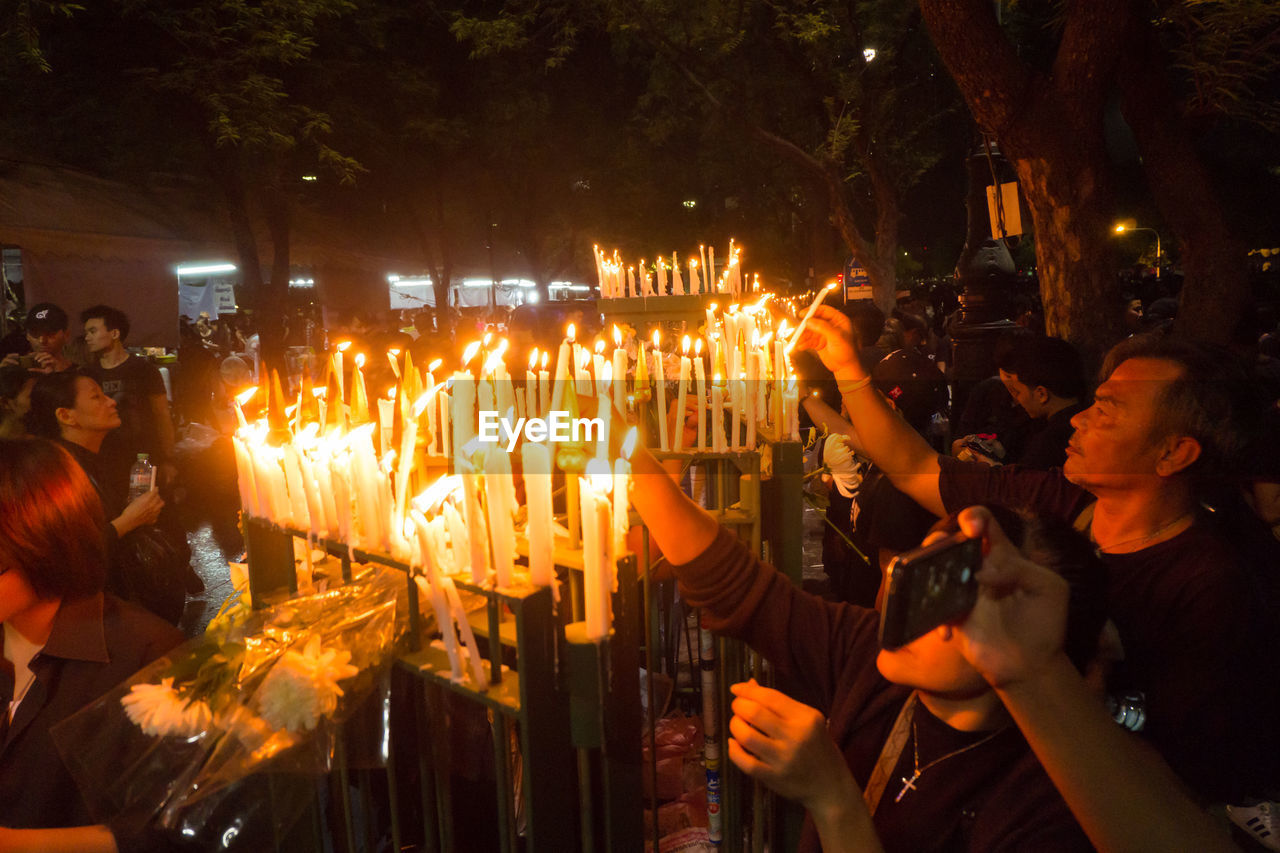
[1262, 822]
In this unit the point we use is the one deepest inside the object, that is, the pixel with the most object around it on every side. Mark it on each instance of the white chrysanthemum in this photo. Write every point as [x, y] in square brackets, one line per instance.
[303, 686]
[160, 711]
[846, 468]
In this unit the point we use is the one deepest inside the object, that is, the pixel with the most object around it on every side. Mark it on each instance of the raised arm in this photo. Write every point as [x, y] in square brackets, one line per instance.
[887, 440]
[682, 529]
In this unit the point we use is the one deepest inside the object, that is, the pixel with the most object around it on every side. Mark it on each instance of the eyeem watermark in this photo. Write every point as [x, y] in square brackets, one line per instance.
[557, 426]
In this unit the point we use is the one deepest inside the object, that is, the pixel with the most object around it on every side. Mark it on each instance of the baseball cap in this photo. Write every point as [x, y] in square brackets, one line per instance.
[914, 383]
[46, 318]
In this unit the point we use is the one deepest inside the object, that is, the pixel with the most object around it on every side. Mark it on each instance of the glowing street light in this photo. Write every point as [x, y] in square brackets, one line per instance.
[1128, 225]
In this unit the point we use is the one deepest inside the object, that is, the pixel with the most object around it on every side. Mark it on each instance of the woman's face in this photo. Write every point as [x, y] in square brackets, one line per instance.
[94, 410]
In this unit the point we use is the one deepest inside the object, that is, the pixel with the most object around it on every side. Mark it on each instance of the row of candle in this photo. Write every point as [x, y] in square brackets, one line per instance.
[619, 281]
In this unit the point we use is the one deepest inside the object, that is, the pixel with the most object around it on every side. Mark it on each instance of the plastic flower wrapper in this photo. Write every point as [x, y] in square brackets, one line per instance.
[219, 744]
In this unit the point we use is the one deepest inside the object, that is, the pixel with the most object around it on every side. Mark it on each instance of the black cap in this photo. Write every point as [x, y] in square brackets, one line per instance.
[913, 382]
[46, 318]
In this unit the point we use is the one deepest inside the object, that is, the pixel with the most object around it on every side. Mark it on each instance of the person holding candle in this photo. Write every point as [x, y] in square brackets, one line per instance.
[1169, 418]
[958, 774]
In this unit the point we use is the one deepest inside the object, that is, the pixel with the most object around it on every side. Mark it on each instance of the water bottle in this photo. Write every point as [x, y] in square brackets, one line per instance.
[142, 477]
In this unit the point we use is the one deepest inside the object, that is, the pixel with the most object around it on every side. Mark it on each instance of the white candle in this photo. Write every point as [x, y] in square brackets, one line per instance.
[468, 636]
[660, 391]
[463, 415]
[544, 389]
[597, 535]
[432, 587]
[459, 539]
[682, 392]
[531, 386]
[808, 315]
[706, 271]
[694, 287]
[500, 499]
[677, 285]
[386, 421]
[298, 510]
[717, 416]
[700, 386]
[478, 532]
[244, 478]
[565, 368]
[538, 528]
[619, 372]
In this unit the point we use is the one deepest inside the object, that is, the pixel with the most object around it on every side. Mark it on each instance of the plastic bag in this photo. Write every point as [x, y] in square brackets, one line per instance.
[231, 779]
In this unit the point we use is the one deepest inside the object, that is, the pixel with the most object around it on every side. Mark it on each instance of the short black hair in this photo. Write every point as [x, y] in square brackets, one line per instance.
[1215, 401]
[51, 392]
[113, 318]
[1039, 360]
[1054, 544]
[12, 380]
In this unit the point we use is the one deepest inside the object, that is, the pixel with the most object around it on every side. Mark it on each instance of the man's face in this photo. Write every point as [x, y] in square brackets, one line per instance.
[97, 337]
[50, 342]
[94, 411]
[1021, 394]
[1115, 442]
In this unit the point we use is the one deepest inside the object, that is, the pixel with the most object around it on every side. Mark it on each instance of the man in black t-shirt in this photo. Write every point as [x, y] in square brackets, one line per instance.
[138, 389]
[1045, 377]
[1168, 419]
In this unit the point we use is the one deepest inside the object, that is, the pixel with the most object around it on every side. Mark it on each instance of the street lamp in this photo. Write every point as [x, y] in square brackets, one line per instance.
[1126, 227]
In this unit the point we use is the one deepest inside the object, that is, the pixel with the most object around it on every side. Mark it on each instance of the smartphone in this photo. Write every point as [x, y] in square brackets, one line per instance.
[28, 362]
[928, 587]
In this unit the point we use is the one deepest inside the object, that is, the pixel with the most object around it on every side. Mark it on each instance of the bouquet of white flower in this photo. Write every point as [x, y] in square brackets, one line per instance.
[221, 740]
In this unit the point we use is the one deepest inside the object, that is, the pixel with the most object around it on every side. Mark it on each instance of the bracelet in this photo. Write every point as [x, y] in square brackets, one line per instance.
[849, 387]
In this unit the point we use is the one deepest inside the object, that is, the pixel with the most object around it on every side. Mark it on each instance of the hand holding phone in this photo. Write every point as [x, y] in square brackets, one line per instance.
[930, 586]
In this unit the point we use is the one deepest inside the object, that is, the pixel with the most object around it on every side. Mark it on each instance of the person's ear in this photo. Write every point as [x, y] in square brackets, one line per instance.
[1179, 453]
[65, 416]
[115, 334]
[1041, 395]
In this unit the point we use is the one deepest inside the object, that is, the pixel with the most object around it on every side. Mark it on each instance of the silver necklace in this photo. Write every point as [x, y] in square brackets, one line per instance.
[1142, 540]
[910, 784]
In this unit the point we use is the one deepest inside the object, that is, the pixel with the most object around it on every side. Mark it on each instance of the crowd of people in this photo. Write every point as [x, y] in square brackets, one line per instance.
[1116, 678]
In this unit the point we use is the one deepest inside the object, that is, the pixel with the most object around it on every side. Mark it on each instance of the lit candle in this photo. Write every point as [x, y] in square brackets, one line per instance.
[544, 389]
[359, 396]
[711, 320]
[682, 391]
[808, 315]
[597, 548]
[240, 399]
[619, 372]
[386, 419]
[538, 527]
[244, 477]
[298, 510]
[565, 369]
[660, 390]
[694, 286]
[531, 385]
[677, 285]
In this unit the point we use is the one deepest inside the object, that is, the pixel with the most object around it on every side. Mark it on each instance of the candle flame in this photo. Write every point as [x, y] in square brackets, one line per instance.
[394, 352]
[435, 494]
[570, 333]
[319, 392]
[344, 346]
[629, 443]
[693, 262]
[435, 365]
[684, 345]
[246, 395]
[470, 352]
[697, 347]
[599, 346]
[657, 339]
[391, 393]
[533, 359]
[617, 336]
[493, 362]
[359, 359]
[488, 336]
[502, 346]
[712, 308]
[544, 361]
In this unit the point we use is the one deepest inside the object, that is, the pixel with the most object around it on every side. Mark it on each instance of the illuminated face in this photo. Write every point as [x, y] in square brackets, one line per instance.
[97, 337]
[94, 411]
[1115, 444]
[934, 664]
[50, 342]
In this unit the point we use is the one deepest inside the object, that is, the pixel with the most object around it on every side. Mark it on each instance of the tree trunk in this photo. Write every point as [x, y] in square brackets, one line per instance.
[1215, 288]
[277, 206]
[226, 174]
[1050, 128]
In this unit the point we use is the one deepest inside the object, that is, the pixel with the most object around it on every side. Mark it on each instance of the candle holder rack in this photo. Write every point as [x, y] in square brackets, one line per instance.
[553, 694]
[660, 309]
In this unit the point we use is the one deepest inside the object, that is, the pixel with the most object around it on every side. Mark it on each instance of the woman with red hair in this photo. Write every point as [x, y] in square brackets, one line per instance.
[65, 642]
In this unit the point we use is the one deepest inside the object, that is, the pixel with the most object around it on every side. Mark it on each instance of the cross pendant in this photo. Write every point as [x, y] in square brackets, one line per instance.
[907, 785]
